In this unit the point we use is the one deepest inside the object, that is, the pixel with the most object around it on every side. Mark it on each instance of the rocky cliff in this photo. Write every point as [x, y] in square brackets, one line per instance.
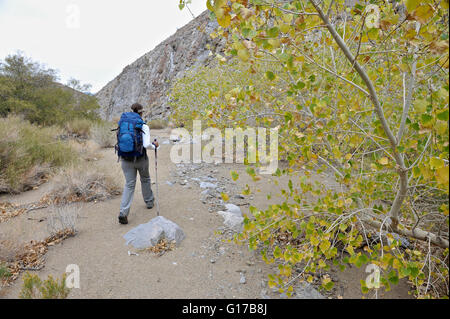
[149, 78]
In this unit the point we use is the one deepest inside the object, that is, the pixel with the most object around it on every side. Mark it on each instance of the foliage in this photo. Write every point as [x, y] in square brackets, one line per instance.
[4, 272]
[30, 89]
[34, 288]
[28, 152]
[360, 94]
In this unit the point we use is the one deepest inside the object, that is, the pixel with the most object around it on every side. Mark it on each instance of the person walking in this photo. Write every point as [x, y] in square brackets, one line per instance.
[133, 139]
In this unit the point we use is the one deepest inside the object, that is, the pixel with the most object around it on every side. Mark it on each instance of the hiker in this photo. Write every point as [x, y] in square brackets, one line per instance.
[133, 138]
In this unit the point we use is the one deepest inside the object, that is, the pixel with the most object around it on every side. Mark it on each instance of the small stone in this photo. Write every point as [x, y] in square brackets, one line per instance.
[249, 263]
[207, 185]
[242, 280]
[212, 261]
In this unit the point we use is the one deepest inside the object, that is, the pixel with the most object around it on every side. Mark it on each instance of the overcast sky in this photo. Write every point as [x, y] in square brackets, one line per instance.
[90, 40]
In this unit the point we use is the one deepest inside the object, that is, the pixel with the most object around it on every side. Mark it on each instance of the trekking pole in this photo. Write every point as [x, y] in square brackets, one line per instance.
[156, 176]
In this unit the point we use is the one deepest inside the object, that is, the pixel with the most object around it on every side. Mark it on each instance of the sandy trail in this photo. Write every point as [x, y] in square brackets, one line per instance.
[202, 267]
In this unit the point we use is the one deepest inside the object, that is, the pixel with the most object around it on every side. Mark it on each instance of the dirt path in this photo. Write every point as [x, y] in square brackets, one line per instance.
[202, 267]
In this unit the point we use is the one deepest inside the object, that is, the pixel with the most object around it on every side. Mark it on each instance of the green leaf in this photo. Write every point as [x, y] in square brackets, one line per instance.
[443, 116]
[234, 175]
[426, 118]
[270, 76]
[273, 32]
[277, 252]
[392, 277]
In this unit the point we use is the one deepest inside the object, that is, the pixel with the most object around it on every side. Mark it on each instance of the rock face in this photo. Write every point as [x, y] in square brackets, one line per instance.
[149, 78]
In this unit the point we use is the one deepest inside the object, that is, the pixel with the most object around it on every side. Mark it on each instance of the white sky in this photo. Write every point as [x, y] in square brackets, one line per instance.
[94, 45]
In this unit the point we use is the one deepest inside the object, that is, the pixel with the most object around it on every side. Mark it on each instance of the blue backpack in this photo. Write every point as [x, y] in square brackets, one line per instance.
[129, 136]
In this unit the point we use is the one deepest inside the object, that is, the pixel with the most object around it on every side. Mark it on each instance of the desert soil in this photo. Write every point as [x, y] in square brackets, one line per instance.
[205, 265]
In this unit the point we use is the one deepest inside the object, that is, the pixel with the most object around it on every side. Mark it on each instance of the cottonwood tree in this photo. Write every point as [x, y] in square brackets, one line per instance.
[360, 93]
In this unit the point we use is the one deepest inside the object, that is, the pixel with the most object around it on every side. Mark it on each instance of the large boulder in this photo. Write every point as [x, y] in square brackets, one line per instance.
[149, 234]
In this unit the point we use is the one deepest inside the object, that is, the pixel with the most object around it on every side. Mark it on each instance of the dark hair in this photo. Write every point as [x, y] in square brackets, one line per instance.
[137, 108]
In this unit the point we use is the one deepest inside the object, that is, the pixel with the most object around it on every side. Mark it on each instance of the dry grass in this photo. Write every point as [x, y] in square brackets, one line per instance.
[103, 136]
[32, 255]
[79, 128]
[63, 218]
[157, 124]
[28, 153]
[84, 183]
[87, 150]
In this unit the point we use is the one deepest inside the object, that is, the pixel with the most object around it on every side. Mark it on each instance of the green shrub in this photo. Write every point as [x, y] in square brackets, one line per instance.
[28, 152]
[4, 272]
[34, 288]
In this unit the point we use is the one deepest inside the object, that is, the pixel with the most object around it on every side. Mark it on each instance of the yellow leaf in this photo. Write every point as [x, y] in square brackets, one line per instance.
[225, 197]
[442, 175]
[411, 4]
[243, 54]
[383, 161]
[224, 21]
[423, 13]
[340, 203]
[436, 162]
[350, 250]
[348, 156]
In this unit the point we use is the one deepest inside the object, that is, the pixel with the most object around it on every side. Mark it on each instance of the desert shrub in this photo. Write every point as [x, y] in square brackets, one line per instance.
[28, 153]
[62, 218]
[5, 273]
[34, 288]
[79, 127]
[101, 133]
[157, 124]
[84, 184]
[87, 150]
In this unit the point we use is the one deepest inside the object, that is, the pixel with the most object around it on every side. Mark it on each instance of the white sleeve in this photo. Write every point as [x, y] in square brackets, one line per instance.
[146, 141]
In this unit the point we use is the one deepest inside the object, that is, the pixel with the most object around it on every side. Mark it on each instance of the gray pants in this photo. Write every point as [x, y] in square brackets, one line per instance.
[130, 169]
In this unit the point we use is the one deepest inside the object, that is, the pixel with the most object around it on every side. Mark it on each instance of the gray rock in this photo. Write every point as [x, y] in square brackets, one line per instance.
[231, 208]
[207, 185]
[306, 291]
[242, 280]
[147, 235]
[232, 221]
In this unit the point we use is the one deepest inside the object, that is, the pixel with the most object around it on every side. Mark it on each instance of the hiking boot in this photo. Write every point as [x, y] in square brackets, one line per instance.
[150, 205]
[123, 220]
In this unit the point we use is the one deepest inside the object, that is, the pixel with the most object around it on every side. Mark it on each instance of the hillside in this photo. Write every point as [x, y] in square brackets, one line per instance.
[148, 79]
